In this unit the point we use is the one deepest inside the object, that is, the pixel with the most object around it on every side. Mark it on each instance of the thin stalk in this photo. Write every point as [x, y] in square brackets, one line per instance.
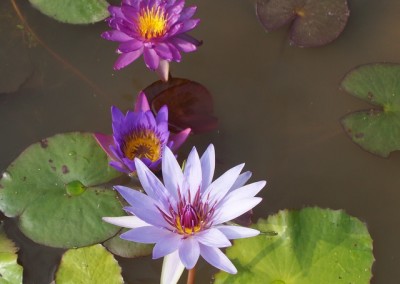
[191, 275]
[68, 65]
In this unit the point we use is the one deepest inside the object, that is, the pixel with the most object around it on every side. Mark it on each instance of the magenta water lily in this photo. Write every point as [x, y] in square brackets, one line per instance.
[139, 134]
[155, 28]
[185, 217]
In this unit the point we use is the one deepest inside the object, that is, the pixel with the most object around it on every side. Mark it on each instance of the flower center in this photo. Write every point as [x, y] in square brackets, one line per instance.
[152, 22]
[143, 144]
[188, 221]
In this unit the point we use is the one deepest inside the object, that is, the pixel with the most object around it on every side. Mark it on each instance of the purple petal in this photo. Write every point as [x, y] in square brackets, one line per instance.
[115, 35]
[183, 45]
[166, 245]
[231, 210]
[151, 58]
[241, 180]
[179, 138]
[126, 221]
[172, 269]
[172, 173]
[218, 189]
[115, 11]
[128, 46]
[192, 172]
[189, 252]
[127, 58]
[189, 25]
[176, 55]
[207, 167]
[146, 235]
[129, 12]
[187, 13]
[190, 39]
[213, 238]
[177, 8]
[216, 258]
[119, 167]
[163, 51]
[237, 232]
[162, 115]
[142, 206]
[152, 185]
[142, 103]
[116, 115]
[105, 141]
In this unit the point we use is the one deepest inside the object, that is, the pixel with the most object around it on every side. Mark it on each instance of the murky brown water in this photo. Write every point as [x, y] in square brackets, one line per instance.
[278, 107]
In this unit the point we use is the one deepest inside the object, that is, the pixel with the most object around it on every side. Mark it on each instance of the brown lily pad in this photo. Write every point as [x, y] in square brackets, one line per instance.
[190, 104]
[312, 22]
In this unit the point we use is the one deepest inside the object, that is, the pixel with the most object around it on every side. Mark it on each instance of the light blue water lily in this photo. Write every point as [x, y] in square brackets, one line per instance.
[185, 217]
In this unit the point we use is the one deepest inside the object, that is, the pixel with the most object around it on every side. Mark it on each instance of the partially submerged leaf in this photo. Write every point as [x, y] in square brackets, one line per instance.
[55, 188]
[89, 265]
[73, 12]
[190, 104]
[312, 245]
[10, 270]
[313, 22]
[125, 248]
[376, 130]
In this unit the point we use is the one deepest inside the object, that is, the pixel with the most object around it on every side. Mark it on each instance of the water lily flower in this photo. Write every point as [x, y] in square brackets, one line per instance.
[185, 217]
[155, 28]
[140, 135]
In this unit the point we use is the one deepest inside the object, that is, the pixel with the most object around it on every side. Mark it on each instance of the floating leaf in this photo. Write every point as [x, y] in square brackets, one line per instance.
[10, 270]
[53, 187]
[125, 248]
[189, 103]
[89, 265]
[73, 12]
[313, 22]
[16, 66]
[376, 130]
[312, 245]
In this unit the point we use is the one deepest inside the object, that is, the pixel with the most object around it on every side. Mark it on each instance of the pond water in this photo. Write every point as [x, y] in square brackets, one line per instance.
[278, 108]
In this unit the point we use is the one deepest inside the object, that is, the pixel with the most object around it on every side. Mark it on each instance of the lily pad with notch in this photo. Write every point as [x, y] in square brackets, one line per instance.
[376, 130]
[190, 104]
[73, 12]
[312, 22]
[89, 265]
[57, 189]
[311, 245]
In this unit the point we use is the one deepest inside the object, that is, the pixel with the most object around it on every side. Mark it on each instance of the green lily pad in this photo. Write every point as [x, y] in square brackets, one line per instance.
[312, 245]
[128, 249]
[89, 265]
[313, 22]
[54, 187]
[10, 270]
[376, 130]
[73, 12]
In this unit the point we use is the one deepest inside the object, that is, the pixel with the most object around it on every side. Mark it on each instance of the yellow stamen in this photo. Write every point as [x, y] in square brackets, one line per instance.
[188, 230]
[152, 22]
[143, 144]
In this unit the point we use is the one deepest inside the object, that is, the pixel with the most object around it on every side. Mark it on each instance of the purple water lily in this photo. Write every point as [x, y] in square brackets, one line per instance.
[139, 134]
[185, 216]
[155, 28]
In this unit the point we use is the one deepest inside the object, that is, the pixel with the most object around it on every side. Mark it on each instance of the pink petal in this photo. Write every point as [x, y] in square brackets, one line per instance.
[179, 138]
[127, 58]
[105, 141]
[141, 103]
[151, 58]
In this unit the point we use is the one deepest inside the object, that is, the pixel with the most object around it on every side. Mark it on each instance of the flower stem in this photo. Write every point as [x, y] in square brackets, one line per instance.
[191, 275]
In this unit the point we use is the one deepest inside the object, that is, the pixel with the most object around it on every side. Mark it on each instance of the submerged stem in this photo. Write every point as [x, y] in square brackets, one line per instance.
[191, 275]
[64, 62]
